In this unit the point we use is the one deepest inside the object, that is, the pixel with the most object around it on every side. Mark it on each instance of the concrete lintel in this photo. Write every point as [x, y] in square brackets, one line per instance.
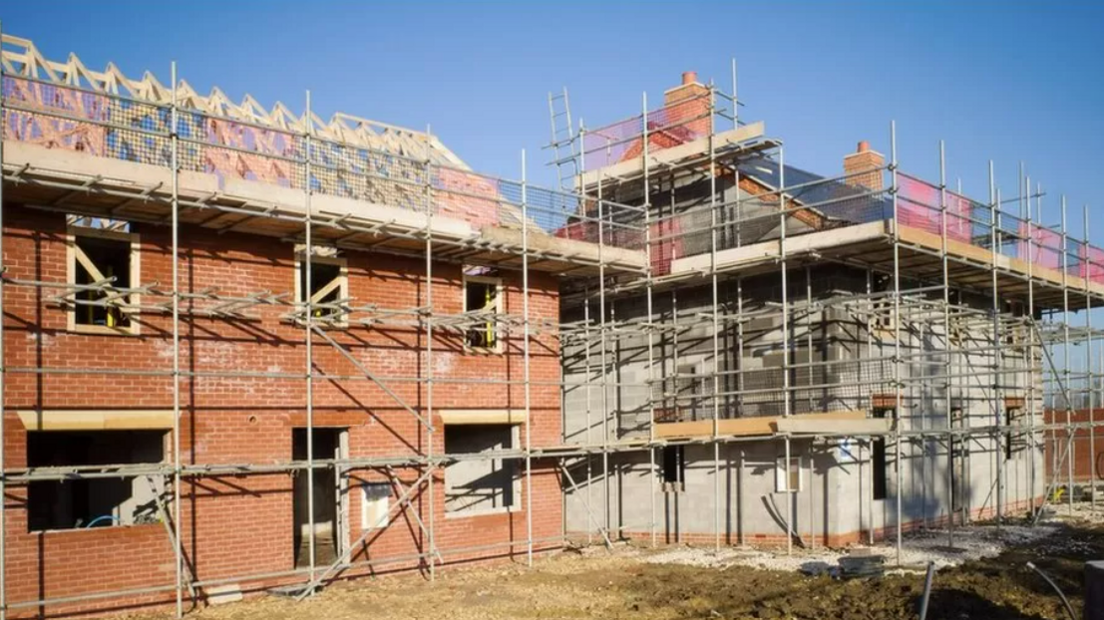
[482, 416]
[813, 426]
[95, 420]
[797, 244]
[540, 242]
[742, 427]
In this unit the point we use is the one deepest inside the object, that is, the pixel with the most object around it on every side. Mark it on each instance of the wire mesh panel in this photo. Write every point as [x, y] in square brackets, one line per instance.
[1092, 267]
[73, 119]
[1046, 248]
[104, 125]
[571, 216]
[920, 205]
[677, 122]
[612, 143]
[822, 204]
[845, 205]
[474, 198]
[1075, 252]
[368, 175]
[562, 214]
[981, 225]
[235, 150]
[1011, 234]
[667, 244]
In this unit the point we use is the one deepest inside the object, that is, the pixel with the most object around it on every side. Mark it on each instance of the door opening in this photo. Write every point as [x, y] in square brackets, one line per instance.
[329, 443]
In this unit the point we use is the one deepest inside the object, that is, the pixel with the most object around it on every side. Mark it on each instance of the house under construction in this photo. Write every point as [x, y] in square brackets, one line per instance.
[249, 350]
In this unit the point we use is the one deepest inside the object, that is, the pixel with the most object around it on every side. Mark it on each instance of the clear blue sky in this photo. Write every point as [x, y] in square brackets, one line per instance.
[1011, 81]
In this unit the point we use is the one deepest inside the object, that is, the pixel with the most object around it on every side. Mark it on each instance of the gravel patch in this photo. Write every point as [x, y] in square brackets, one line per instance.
[1081, 511]
[918, 548]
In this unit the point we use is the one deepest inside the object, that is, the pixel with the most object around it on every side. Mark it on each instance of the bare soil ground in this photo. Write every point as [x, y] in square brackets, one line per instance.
[630, 583]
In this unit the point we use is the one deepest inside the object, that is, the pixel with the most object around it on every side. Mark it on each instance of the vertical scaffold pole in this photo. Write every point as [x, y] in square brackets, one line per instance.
[716, 324]
[897, 417]
[788, 521]
[583, 208]
[3, 276]
[430, 317]
[869, 306]
[675, 507]
[604, 359]
[740, 385]
[653, 474]
[589, 499]
[1051, 425]
[1066, 360]
[1087, 265]
[174, 256]
[947, 362]
[528, 390]
[308, 256]
[1015, 323]
[809, 369]
[738, 366]
[1030, 335]
[998, 377]
[735, 101]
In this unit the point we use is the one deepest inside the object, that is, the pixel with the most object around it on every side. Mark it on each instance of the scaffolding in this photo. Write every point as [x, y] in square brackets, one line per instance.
[935, 250]
[615, 244]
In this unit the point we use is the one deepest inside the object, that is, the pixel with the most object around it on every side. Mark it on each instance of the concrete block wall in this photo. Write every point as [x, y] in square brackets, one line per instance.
[242, 525]
[837, 473]
[833, 507]
[836, 335]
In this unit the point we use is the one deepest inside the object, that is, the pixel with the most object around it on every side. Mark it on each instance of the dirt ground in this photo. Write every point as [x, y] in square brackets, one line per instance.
[625, 584]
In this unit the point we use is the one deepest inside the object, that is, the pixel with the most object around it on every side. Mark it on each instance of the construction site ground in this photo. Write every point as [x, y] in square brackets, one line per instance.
[983, 576]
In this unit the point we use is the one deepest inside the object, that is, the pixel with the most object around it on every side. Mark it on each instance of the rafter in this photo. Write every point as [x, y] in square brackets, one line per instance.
[21, 58]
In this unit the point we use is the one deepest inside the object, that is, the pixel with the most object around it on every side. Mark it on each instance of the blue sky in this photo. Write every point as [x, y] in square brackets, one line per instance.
[1011, 81]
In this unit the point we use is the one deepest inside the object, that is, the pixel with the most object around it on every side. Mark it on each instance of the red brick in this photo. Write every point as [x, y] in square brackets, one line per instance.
[242, 525]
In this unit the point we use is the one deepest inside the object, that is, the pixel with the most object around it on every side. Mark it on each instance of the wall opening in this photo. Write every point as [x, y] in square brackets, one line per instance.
[958, 461]
[328, 511]
[879, 460]
[94, 259]
[788, 478]
[94, 502]
[1010, 415]
[690, 389]
[375, 505]
[484, 485]
[674, 468]
[329, 285]
[483, 301]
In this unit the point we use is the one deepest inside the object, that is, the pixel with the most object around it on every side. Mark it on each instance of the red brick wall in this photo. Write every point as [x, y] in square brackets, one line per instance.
[1085, 462]
[241, 525]
[860, 161]
[688, 105]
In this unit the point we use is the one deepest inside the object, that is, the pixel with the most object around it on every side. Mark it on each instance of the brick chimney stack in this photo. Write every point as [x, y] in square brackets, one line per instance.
[689, 100]
[861, 160]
